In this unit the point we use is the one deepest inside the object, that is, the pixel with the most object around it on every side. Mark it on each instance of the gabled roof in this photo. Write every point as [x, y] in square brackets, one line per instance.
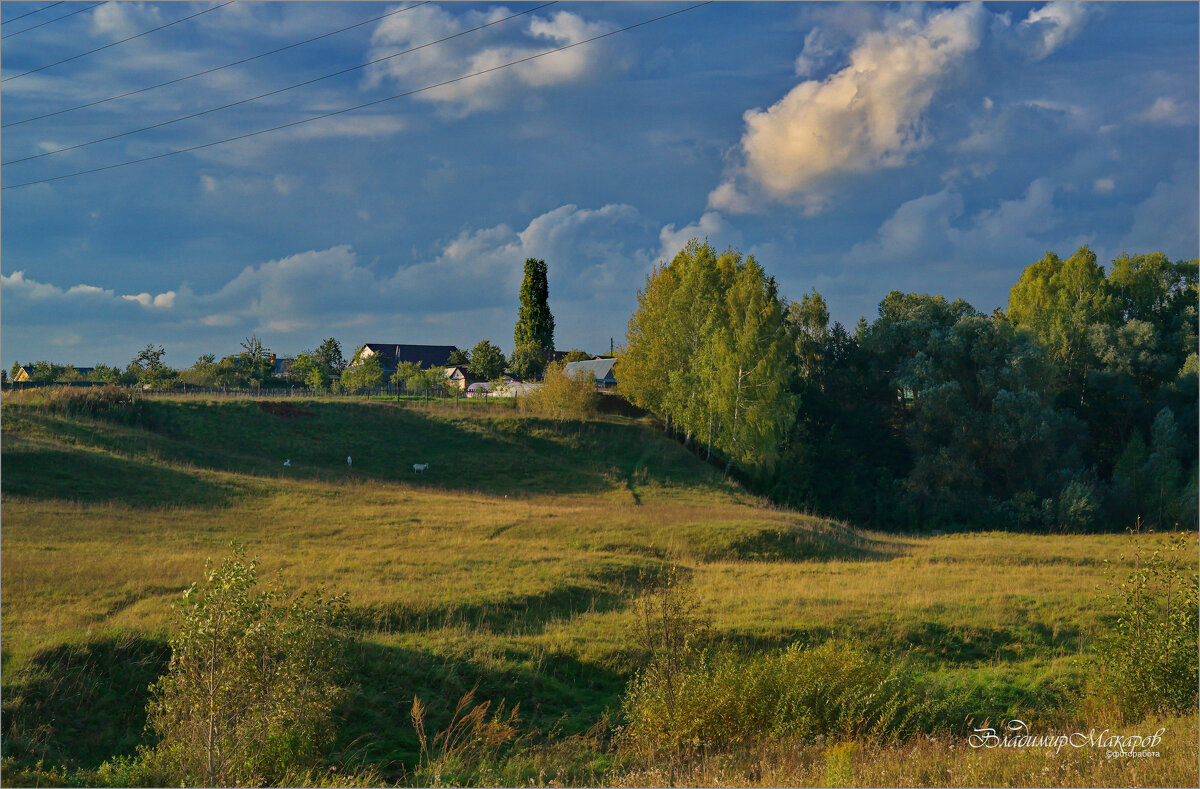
[602, 369]
[425, 355]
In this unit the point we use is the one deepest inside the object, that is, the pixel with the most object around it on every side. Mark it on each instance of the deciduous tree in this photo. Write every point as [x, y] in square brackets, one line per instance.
[534, 332]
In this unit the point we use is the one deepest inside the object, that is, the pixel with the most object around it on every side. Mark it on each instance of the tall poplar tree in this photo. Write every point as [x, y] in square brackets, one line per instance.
[533, 336]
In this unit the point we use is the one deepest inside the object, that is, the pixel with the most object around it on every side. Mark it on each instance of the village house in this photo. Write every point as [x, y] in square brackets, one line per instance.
[602, 368]
[391, 354]
[457, 376]
[25, 372]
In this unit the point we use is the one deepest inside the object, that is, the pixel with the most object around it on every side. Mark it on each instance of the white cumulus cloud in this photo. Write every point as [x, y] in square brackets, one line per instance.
[864, 117]
[486, 49]
[1054, 24]
[873, 113]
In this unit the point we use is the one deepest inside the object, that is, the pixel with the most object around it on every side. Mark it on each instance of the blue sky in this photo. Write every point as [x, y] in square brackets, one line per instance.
[853, 148]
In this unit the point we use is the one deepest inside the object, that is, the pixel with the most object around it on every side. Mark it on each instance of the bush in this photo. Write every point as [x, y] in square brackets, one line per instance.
[110, 403]
[1148, 659]
[252, 684]
[833, 690]
[688, 698]
[562, 396]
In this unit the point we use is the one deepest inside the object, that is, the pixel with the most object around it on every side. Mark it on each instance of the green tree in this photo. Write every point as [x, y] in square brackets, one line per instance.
[527, 362]
[1059, 300]
[487, 362]
[318, 368]
[749, 371]
[329, 355]
[972, 401]
[1163, 472]
[308, 368]
[808, 322]
[707, 350]
[363, 372]
[148, 369]
[105, 373]
[533, 337]
[562, 396]
[252, 684]
[457, 358]
[255, 362]
[576, 355]
[203, 371]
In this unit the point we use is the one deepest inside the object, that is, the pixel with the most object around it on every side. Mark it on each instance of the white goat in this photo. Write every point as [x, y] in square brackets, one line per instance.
[420, 467]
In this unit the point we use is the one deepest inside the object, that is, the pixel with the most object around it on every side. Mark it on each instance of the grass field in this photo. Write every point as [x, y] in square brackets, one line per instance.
[510, 565]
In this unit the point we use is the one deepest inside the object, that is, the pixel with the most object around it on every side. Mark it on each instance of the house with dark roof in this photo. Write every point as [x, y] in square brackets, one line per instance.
[25, 372]
[392, 354]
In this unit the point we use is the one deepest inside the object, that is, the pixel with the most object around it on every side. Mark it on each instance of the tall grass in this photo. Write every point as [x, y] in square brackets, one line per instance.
[512, 565]
[110, 403]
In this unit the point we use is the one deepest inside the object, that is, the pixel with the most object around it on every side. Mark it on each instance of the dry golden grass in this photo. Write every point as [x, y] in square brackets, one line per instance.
[937, 762]
[480, 582]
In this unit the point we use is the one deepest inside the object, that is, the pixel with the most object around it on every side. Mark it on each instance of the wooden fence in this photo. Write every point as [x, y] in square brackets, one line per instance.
[386, 392]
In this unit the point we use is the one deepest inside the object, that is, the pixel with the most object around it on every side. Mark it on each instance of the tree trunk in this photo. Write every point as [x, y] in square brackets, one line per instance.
[737, 407]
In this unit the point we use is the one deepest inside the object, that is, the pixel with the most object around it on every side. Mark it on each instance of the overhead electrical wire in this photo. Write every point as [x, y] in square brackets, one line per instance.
[364, 105]
[215, 68]
[115, 43]
[277, 91]
[31, 13]
[49, 21]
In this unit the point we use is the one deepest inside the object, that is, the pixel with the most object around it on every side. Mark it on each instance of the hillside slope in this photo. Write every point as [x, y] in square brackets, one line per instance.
[512, 564]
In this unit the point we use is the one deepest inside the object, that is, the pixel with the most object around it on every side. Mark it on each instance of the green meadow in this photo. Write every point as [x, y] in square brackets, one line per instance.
[511, 566]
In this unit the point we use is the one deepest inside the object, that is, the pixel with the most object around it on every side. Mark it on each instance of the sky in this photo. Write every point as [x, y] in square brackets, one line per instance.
[851, 148]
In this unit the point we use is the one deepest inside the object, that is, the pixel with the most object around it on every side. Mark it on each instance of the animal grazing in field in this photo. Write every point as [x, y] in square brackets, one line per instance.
[420, 467]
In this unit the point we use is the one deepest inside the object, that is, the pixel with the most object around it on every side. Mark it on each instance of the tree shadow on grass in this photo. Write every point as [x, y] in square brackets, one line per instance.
[556, 695]
[525, 614]
[76, 705]
[41, 472]
[501, 452]
[810, 541]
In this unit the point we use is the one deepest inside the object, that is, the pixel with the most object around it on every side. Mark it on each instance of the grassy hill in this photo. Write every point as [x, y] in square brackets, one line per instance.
[510, 565]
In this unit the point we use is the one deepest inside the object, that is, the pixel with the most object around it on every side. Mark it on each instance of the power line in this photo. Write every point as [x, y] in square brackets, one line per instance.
[122, 41]
[216, 68]
[361, 106]
[48, 21]
[211, 110]
[31, 13]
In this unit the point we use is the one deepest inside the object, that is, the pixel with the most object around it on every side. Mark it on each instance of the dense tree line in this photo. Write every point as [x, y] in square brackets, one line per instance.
[1075, 408]
[708, 351]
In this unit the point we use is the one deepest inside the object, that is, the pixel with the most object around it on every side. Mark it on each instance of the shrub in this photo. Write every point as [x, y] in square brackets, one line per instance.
[1148, 659]
[839, 764]
[689, 698]
[562, 396]
[252, 682]
[110, 403]
[833, 690]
